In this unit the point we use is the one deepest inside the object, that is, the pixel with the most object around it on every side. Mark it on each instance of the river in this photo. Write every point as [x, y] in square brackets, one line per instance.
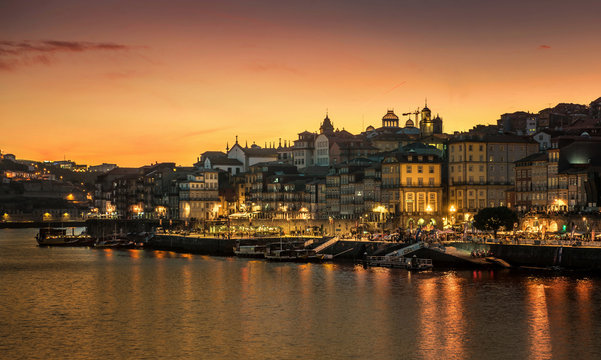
[82, 303]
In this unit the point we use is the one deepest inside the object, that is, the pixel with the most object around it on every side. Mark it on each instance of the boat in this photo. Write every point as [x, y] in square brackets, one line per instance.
[402, 262]
[114, 243]
[251, 251]
[59, 237]
[298, 255]
[415, 263]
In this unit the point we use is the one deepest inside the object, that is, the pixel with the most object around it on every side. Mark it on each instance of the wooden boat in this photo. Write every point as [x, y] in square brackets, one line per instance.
[115, 242]
[59, 237]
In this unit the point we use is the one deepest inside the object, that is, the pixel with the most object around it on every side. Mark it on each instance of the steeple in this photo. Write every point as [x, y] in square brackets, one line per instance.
[326, 126]
[227, 146]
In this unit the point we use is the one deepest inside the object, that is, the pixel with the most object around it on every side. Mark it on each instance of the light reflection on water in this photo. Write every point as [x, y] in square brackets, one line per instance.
[86, 303]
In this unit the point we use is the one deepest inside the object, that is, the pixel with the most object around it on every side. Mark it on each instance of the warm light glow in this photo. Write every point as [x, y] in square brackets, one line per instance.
[152, 80]
[379, 209]
[70, 197]
[429, 208]
[452, 208]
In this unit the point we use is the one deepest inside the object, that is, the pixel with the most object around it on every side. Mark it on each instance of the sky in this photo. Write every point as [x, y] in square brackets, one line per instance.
[134, 82]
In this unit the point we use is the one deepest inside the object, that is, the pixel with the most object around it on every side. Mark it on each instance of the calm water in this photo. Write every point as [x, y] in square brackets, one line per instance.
[85, 303]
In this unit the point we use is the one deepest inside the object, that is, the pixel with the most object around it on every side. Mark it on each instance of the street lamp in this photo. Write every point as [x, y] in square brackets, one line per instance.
[452, 211]
[380, 209]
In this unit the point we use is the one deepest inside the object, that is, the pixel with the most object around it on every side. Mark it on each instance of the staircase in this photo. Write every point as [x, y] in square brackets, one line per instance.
[407, 249]
[326, 244]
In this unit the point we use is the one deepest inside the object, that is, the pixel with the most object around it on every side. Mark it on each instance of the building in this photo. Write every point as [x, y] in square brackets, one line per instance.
[304, 150]
[102, 168]
[413, 187]
[481, 169]
[252, 155]
[531, 183]
[198, 195]
[220, 161]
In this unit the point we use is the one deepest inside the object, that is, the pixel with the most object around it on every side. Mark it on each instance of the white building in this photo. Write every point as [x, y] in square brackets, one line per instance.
[249, 156]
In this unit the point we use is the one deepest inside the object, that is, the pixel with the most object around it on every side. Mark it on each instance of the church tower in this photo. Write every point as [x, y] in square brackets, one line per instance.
[426, 125]
[326, 126]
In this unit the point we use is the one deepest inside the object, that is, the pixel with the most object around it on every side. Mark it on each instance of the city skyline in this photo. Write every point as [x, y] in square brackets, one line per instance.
[114, 82]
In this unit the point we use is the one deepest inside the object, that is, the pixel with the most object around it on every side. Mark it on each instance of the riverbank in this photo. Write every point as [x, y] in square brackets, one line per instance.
[40, 224]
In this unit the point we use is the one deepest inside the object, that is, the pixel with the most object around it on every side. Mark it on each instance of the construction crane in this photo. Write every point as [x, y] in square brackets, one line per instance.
[416, 113]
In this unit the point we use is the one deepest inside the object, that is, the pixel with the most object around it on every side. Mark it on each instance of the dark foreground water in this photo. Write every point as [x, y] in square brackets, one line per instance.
[73, 303]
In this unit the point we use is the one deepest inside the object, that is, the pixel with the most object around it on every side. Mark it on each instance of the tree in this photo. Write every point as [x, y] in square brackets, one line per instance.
[491, 219]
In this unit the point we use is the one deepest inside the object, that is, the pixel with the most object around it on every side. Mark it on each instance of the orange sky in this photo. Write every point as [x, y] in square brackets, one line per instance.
[153, 81]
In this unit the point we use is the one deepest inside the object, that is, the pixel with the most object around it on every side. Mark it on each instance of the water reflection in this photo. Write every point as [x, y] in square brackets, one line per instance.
[85, 303]
[454, 316]
[429, 343]
[539, 334]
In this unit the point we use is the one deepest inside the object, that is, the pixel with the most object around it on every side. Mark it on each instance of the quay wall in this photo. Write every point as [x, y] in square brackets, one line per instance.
[581, 258]
[569, 257]
[39, 224]
[196, 245]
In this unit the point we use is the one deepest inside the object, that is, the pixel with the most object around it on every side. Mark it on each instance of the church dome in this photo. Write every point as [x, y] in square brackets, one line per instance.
[409, 123]
[390, 115]
[370, 128]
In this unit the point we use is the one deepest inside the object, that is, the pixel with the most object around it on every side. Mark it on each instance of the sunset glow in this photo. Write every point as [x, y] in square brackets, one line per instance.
[138, 82]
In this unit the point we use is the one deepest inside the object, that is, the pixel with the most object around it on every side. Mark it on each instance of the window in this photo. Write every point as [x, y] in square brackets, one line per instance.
[431, 170]
[420, 169]
[408, 169]
[470, 157]
[420, 181]
[431, 181]
[408, 181]
[481, 147]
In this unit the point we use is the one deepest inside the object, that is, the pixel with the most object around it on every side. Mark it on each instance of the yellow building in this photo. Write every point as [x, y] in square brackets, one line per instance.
[412, 188]
[481, 170]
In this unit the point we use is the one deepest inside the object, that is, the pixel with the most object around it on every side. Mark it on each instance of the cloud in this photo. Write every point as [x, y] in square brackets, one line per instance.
[544, 47]
[14, 54]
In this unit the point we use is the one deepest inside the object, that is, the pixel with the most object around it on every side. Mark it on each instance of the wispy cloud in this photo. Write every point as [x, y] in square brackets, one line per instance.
[14, 54]
[544, 47]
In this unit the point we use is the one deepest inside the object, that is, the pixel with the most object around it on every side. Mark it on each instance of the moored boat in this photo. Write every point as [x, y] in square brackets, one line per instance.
[114, 242]
[59, 237]
[298, 255]
[252, 251]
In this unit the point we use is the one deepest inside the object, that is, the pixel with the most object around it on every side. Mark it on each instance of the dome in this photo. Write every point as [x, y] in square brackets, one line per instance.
[409, 123]
[370, 128]
[390, 115]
